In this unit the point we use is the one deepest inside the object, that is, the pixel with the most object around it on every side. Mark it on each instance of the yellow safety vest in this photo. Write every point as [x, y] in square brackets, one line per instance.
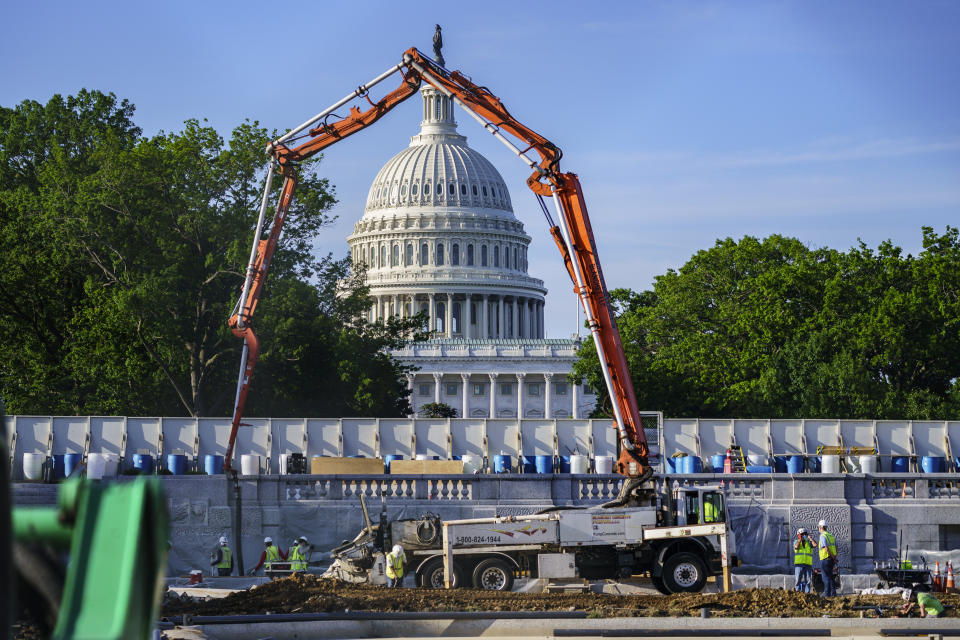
[829, 549]
[803, 554]
[709, 512]
[273, 555]
[394, 566]
[224, 558]
[298, 561]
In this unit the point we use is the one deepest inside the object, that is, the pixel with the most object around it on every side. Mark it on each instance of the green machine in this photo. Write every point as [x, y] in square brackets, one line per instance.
[116, 536]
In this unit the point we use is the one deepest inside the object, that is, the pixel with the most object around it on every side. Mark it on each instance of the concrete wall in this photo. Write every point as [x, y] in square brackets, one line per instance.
[867, 513]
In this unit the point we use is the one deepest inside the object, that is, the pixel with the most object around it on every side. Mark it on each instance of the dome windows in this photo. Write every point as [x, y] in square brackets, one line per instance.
[496, 256]
[409, 257]
[455, 255]
[439, 188]
[463, 189]
[484, 191]
[451, 189]
[474, 189]
[395, 257]
[506, 257]
[424, 254]
[469, 255]
[483, 255]
[413, 189]
[383, 257]
[403, 190]
[439, 254]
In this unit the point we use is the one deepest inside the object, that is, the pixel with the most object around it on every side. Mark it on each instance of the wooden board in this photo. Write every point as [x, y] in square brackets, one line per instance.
[331, 465]
[439, 467]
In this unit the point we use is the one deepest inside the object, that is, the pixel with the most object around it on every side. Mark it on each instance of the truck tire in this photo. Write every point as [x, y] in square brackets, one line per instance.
[431, 576]
[493, 574]
[684, 572]
[659, 585]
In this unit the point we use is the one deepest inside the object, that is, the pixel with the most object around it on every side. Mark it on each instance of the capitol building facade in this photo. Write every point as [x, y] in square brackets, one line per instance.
[438, 236]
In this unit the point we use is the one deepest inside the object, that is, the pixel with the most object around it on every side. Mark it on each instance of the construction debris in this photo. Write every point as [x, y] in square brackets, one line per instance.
[310, 594]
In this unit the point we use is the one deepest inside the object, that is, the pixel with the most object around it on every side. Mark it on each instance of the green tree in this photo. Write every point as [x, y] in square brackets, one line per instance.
[438, 410]
[145, 242]
[770, 328]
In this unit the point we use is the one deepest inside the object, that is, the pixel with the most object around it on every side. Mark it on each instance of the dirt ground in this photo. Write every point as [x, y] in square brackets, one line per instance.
[310, 594]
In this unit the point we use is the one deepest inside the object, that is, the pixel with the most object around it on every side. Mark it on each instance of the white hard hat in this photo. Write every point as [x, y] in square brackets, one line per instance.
[302, 539]
[223, 539]
[397, 549]
[801, 530]
[907, 594]
[822, 523]
[267, 539]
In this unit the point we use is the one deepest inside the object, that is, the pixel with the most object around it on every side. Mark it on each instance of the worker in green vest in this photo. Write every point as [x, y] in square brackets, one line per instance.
[711, 511]
[222, 558]
[828, 559]
[396, 561]
[271, 554]
[300, 554]
[803, 560]
[930, 607]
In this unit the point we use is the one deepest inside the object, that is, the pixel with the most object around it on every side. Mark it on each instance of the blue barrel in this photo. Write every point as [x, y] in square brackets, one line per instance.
[58, 466]
[675, 465]
[143, 462]
[387, 459]
[691, 464]
[177, 463]
[70, 462]
[501, 463]
[933, 464]
[795, 464]
[813, 464]
[900, 464]
[527, 464]
[564, 464]
[716, 461]
[544, 464]
[779, 464]
[213, 464]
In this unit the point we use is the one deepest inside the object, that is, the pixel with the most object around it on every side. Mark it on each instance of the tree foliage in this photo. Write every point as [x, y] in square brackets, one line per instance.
[438, 410]
[771, 328]
[123, 257]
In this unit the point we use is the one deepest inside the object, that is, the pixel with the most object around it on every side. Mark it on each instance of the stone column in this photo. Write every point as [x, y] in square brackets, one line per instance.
[465, 377]
[515, 320]
[413, 408]
[433, 312]
[436, 387]
[485, 324]
[520, 395]
[448, 319]
[396, 305]
[531, 305]
[465, 318]
[500, 309]
[547, 395]
[541, 333]
[493, 391]
[574, 394]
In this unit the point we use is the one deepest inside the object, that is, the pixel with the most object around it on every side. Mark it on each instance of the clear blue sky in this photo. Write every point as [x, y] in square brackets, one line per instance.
[686, 121]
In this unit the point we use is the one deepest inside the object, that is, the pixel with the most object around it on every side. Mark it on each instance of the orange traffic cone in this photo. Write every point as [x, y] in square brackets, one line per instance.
[937, 580]
[728, 463]
[950, 587]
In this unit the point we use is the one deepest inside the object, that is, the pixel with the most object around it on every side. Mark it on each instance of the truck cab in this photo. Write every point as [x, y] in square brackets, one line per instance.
[698, 505]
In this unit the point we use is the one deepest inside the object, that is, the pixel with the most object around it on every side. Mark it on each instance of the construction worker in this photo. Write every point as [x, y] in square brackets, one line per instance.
[222, 558]
[271, 553]
[803, 561]
[300, 554]
[711, 512]
[930, 607]
[396, 561]
[828, 559]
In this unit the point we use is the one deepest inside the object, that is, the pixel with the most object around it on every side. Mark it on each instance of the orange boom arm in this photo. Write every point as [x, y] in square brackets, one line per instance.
[572, 233]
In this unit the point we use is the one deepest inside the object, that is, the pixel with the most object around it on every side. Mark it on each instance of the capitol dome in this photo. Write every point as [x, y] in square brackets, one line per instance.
[438, 235]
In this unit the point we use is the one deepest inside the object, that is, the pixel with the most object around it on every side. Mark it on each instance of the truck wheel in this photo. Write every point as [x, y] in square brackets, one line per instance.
[659, 585]
[431, 576]
[684, 572]
[493, 574]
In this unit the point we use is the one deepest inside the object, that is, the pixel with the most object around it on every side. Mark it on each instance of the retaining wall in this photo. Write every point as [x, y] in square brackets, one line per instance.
[868, 513]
